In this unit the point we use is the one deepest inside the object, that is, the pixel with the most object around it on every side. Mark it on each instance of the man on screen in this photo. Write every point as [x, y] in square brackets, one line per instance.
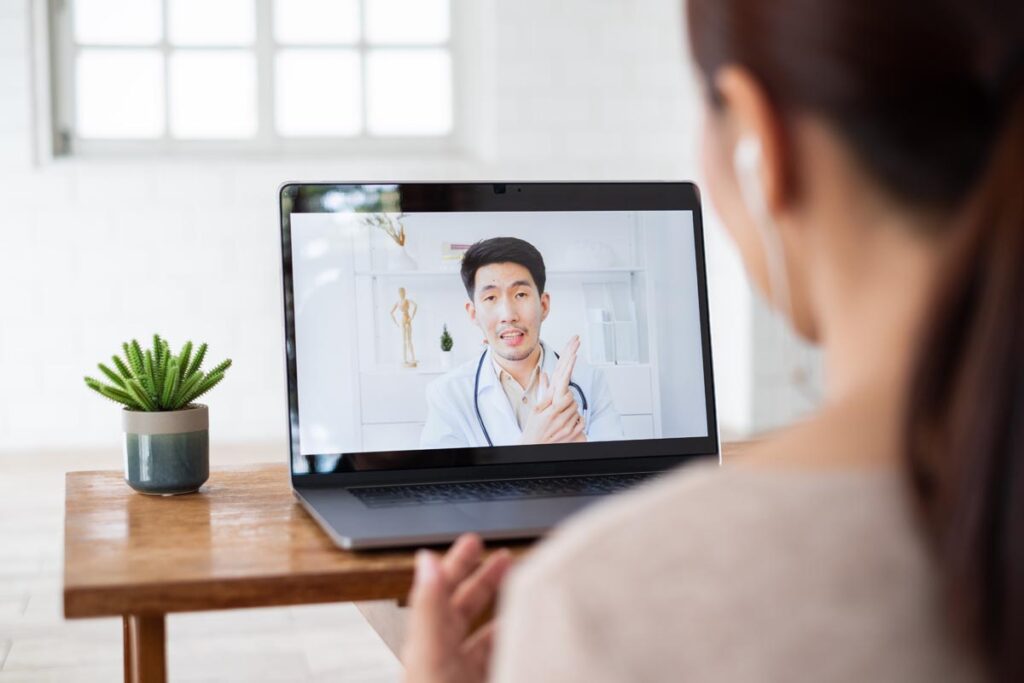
[518, 391]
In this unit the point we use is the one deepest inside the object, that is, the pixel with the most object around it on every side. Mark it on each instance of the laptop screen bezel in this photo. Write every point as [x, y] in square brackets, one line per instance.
[514, 461]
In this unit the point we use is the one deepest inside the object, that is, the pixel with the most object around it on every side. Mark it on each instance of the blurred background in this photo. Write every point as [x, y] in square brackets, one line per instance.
[142, 143]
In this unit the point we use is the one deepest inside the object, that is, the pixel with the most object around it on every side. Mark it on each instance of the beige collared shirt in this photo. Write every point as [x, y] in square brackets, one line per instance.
[521, 399]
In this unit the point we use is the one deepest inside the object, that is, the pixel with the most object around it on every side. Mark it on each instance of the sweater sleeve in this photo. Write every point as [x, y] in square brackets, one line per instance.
[547, 633]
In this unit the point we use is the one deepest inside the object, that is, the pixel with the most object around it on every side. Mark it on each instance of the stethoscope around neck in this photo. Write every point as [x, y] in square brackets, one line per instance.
[476, 397]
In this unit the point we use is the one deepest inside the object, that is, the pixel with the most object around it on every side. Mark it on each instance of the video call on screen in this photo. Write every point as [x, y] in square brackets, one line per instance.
[370, 313]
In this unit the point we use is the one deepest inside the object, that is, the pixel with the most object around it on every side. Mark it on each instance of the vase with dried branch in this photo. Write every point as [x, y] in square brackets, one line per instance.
[391, 225]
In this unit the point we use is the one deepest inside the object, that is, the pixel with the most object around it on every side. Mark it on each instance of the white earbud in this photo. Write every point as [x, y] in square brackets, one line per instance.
[747, 165]
[748, 151]
[746, 160]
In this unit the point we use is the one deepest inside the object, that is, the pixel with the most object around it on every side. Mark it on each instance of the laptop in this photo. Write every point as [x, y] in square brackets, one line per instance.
[489, 357]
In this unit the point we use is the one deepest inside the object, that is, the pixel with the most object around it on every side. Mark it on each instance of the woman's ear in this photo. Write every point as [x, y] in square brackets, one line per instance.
[755, 123]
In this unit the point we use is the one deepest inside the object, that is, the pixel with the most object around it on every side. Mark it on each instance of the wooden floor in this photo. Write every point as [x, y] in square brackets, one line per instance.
[311, 643]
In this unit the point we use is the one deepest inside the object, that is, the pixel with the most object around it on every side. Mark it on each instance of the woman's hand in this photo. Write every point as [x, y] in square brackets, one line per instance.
[448, 595]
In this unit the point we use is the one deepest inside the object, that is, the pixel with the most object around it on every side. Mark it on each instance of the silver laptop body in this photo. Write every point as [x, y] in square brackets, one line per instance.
[401, 430]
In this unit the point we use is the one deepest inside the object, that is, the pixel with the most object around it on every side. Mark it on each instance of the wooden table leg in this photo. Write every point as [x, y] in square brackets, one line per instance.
[387, 618]
[144, 660]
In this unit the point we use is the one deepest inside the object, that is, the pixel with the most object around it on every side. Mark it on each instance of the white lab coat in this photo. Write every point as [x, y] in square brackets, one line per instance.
[452, 420]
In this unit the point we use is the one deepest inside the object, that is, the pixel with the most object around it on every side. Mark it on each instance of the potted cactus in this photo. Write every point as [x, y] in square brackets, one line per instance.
[166, 440]
[446, 349]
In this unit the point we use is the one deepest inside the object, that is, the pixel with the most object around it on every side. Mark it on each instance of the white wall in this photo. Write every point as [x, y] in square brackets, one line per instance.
[94, 252]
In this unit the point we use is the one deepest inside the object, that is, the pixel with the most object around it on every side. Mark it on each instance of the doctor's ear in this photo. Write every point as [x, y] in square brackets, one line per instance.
[471, 311]
[545, 305]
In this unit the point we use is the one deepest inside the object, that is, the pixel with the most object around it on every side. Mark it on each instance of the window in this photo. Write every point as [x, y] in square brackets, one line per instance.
[251, 74]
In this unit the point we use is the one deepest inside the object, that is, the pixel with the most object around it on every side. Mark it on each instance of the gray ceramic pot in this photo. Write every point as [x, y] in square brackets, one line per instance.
[167, 452]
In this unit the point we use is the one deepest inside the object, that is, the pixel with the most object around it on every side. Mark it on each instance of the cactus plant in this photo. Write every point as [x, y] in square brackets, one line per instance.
[446, 340]
[155, 379]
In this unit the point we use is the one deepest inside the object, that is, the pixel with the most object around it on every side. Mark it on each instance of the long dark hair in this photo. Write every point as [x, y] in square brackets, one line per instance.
[930, 98]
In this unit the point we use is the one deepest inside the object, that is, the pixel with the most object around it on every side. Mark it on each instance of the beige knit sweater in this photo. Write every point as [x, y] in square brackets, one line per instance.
[732, 574]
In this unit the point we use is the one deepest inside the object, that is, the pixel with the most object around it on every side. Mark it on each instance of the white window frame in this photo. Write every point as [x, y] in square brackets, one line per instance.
[266, 142]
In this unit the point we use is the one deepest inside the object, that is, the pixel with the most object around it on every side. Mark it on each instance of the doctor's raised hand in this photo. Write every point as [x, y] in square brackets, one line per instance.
[555, 418]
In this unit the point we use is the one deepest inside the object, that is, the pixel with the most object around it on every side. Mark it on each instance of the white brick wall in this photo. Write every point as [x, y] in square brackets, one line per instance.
[93, 252]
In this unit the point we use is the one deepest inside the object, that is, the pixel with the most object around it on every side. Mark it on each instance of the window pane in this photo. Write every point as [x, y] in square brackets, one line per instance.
[409, 92]
[407, 21]
[138, 22]
[211, 22]
[316, 21]
[120, 94]
[213, 94]
[318, 92]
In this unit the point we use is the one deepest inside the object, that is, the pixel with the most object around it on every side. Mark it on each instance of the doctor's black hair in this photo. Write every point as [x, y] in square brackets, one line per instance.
[502, 250]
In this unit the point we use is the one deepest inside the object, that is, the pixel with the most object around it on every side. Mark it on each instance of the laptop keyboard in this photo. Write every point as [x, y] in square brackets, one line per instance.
[505, 489]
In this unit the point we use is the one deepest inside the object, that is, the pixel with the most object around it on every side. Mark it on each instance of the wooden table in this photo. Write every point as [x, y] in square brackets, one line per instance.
[243, 541]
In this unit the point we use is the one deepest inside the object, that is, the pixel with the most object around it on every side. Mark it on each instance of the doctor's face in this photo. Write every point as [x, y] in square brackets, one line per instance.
[507, 307]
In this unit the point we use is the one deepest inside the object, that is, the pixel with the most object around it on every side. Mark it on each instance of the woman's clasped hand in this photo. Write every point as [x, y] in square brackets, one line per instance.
[449, 597]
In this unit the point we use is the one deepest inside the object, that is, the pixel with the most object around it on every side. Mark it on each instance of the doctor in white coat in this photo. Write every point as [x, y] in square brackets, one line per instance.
[518, 390]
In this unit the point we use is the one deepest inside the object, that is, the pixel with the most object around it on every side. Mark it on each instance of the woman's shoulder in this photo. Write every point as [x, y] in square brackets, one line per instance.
[704, 506]
[753, 562]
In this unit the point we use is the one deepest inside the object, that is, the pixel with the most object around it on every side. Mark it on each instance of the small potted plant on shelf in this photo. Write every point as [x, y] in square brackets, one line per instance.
[166, 440]
[446, 349]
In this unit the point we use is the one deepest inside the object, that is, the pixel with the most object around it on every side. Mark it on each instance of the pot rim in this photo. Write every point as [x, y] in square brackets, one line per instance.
[190, 406]
[192, 418]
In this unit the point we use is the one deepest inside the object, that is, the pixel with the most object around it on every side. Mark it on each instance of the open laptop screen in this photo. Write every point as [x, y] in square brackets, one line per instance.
[426, 322]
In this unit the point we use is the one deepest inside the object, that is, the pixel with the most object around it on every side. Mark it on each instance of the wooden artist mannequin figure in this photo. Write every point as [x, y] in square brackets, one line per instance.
[408, 308]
